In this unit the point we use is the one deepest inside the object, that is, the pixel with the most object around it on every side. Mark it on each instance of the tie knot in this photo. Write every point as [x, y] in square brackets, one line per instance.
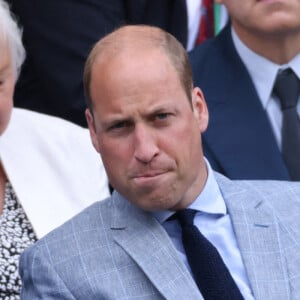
[186, 217]
[287, 88]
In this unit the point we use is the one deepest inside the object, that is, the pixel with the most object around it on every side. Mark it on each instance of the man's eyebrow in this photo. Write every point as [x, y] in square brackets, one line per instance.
[161, 109]
[113, 120]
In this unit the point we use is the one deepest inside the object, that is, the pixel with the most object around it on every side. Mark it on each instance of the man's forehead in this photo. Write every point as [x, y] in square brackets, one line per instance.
[130, 61]
[129, 52]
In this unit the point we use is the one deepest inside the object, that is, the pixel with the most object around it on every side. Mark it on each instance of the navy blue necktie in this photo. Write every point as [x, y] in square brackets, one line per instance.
[210, 273]
[287, 89]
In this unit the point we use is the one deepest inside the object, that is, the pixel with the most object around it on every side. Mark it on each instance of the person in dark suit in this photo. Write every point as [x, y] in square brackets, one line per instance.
[58, 35]
[237, 71]
[146, 120]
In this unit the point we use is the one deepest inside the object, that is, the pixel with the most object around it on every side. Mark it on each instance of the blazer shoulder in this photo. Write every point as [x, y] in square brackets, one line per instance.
[200, 53]
[282, 196]
[58, 241]
[95, 216]
[274, 187]
[277, 193]
[215, 47]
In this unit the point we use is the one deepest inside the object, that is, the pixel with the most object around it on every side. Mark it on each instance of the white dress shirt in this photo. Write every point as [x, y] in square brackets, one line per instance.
[263, 73]
[214, 222]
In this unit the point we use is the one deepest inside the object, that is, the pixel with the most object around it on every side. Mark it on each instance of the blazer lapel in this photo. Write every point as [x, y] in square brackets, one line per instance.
[257, 232]
[145, 240]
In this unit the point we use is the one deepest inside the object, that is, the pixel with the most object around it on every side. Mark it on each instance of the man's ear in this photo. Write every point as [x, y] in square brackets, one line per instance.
[200, 109]
[92, 128]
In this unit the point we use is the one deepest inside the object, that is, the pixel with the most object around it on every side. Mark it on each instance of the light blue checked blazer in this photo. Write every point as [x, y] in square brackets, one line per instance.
[113, 250]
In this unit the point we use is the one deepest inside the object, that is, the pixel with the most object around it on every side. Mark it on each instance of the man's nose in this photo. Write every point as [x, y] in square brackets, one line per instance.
[145, 144]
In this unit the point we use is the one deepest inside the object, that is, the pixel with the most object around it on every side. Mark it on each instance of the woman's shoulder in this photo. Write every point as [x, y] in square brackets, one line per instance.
[24, 117]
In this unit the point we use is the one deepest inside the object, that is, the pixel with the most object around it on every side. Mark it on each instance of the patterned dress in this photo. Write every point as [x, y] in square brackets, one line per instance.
[16, 234]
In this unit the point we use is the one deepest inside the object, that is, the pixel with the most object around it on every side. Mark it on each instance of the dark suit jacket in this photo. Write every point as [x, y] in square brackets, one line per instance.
[239, 141]
[58, 34]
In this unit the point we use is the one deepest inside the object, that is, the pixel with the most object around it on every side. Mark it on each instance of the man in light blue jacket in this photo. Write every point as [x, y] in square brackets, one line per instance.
[146, 120]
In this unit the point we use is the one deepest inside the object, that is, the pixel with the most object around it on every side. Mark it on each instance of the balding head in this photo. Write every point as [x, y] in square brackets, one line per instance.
[129, 40]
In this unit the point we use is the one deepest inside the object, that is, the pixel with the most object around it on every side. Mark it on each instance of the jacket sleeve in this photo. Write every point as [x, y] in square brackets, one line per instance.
[39, 278]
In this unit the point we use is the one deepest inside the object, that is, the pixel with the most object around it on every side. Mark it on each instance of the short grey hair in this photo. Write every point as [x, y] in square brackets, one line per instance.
[11, 34]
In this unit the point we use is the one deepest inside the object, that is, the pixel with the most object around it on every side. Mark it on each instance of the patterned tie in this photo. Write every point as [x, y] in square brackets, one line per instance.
[210, 273]
[287, 89]
[206, 27]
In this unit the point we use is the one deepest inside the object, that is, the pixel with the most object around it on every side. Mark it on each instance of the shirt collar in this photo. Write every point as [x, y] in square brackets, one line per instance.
[209, 201]
[263, 76]
[295, 65]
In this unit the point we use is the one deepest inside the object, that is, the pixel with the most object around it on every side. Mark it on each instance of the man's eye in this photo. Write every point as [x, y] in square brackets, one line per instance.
[118, 125]
[162, 116]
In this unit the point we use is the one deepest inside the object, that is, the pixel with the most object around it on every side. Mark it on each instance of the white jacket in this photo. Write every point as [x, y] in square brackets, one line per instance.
[52, 166]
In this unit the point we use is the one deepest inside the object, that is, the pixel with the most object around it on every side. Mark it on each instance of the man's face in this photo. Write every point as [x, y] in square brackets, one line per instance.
[264, 16]
[146, 131]
[7, 82]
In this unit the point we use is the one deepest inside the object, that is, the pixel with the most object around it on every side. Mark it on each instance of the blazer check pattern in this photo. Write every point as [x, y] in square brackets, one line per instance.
[113, 250]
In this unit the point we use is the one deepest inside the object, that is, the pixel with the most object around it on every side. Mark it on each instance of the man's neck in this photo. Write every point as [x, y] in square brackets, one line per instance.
[279, 48]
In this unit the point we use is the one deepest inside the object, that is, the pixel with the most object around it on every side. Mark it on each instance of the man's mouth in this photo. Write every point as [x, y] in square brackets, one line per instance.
[149, 174]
